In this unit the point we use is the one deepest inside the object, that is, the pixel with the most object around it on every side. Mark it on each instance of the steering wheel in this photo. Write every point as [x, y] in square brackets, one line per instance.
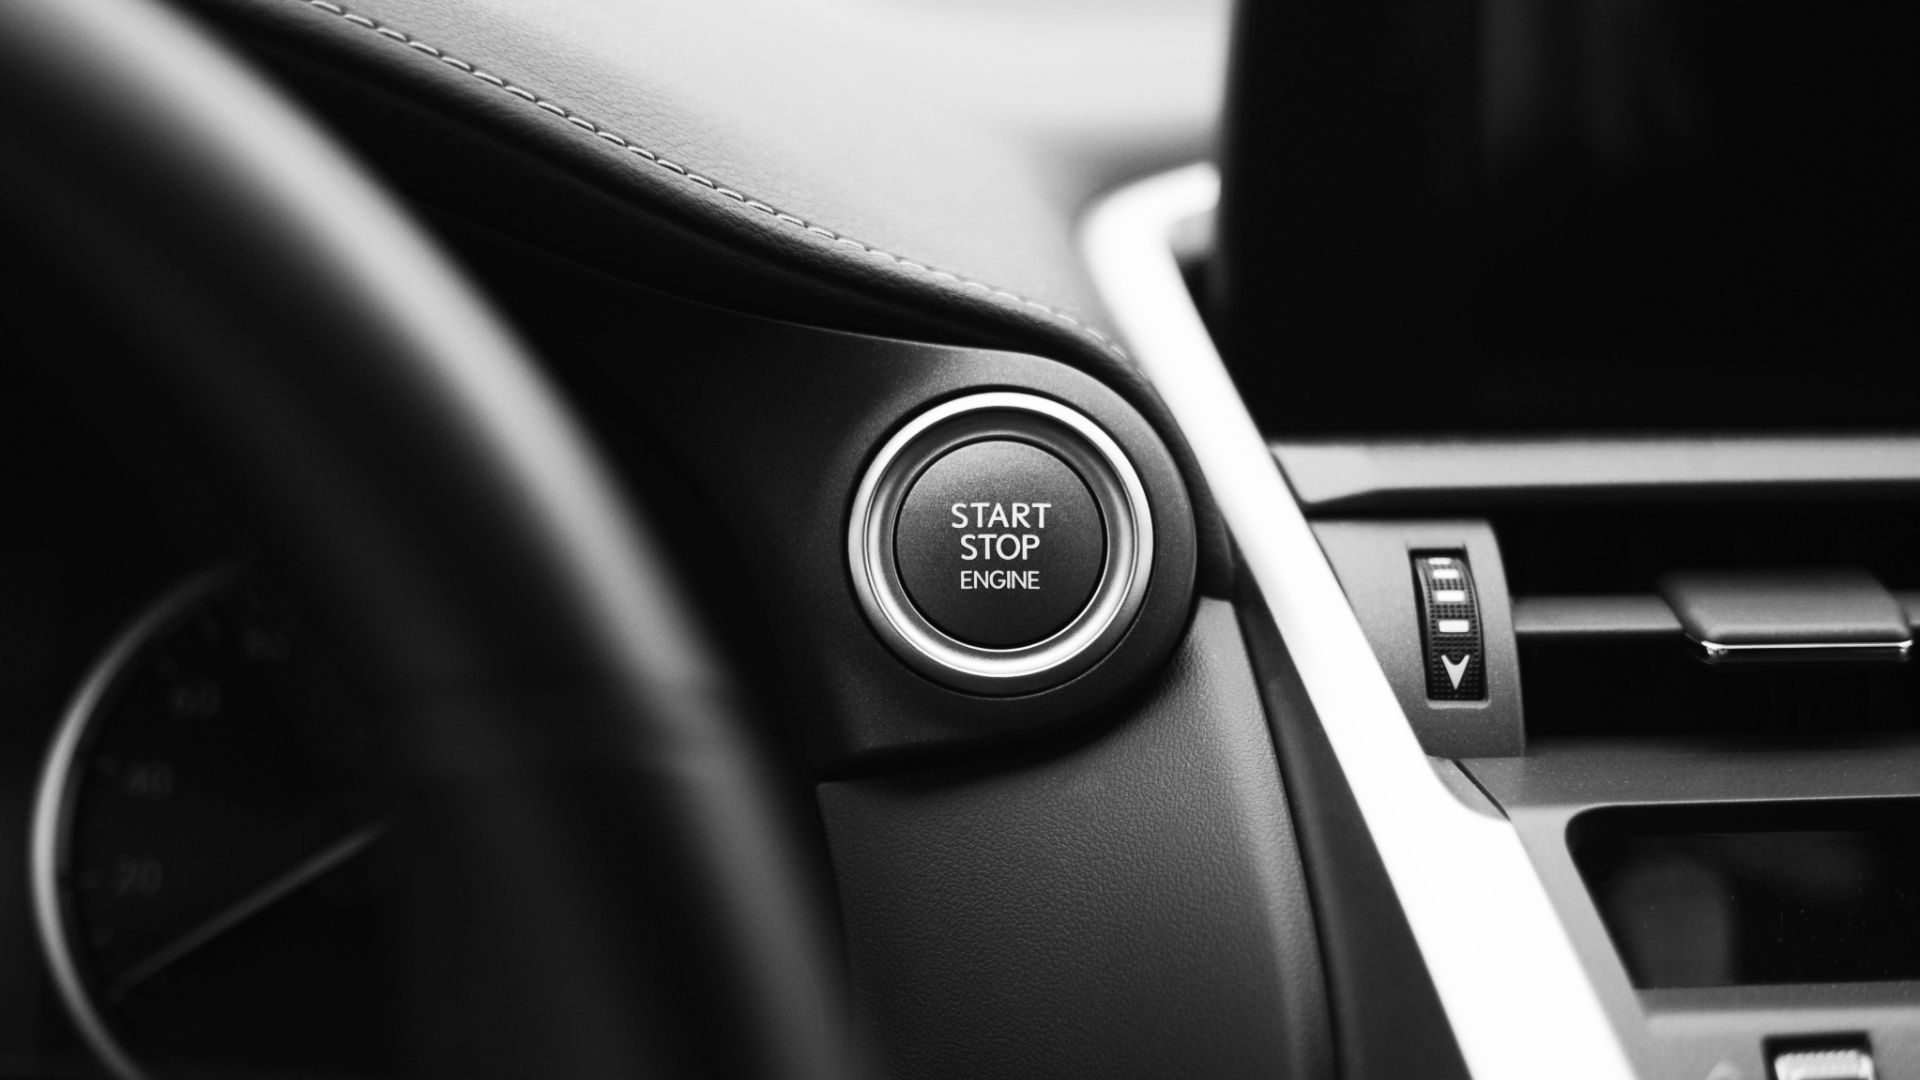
[611, 887]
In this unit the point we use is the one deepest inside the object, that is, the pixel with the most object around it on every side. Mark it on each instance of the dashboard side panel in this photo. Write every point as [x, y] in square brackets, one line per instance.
[1387, 1019]
[749, 437]
[1131, 906]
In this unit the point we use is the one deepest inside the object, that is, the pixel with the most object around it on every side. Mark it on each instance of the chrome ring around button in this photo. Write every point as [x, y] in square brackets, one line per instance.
[1108, 475]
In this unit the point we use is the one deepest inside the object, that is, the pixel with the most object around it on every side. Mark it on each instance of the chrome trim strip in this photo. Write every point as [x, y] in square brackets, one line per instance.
[1806, 652]
[1100, 463]
[1520, 1004]
[53, 802]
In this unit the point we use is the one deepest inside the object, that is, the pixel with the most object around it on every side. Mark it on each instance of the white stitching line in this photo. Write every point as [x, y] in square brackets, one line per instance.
[683, 172]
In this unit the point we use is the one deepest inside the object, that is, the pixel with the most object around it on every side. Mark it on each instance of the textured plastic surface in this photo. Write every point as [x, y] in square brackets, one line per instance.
[1131, 906]
[1388, 1021]
[1584, 618]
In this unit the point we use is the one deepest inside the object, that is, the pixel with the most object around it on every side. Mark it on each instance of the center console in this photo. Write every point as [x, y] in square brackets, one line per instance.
[1578, 333]
[1547, 363]
[1700, 717]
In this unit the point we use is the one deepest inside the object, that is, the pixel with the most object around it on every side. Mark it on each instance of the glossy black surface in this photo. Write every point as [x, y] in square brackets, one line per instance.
[1461, 215]
[1818, 902]
[1737, 896]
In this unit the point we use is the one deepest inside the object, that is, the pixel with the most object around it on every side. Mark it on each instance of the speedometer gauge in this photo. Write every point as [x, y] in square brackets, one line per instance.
[207, 856]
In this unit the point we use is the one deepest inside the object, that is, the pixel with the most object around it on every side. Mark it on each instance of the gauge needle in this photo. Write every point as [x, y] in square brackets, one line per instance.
[309, 870]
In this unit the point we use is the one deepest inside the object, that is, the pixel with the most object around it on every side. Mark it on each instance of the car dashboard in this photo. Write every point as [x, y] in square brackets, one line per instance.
[1386, 576]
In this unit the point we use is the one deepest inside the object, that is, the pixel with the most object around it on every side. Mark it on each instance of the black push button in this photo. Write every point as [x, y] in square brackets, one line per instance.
[1000, 544]
[1450, 614]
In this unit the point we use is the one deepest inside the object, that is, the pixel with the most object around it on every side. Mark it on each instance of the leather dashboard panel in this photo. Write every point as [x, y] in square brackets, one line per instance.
[918, 156]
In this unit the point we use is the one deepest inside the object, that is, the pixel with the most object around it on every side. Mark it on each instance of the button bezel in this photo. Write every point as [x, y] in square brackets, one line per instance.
[1088, 451]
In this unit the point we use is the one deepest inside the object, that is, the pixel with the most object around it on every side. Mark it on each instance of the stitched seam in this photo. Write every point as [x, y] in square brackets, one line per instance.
[684, 173]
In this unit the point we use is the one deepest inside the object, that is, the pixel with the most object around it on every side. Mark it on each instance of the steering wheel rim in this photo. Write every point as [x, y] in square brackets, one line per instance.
[573, 733]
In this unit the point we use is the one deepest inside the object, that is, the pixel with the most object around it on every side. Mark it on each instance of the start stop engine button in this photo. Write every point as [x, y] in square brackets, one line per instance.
[1000, 544]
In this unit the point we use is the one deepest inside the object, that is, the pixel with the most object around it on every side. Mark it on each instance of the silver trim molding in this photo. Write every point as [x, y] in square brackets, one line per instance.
[1519, 1002]
[1101, 465]
[1806, 652]
[1377, 473]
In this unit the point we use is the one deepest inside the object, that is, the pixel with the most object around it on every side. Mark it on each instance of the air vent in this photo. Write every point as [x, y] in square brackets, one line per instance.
[1645, 600]
[1758, 619]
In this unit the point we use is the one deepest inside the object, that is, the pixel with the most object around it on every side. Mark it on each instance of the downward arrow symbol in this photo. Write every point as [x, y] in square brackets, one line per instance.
[1456, 671]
